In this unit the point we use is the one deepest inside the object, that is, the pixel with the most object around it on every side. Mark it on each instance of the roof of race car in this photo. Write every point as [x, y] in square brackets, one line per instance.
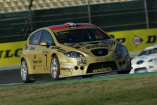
[151, 47]
[69, 25]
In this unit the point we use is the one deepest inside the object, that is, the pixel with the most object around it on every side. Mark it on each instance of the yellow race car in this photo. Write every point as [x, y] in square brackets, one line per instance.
[72, 49]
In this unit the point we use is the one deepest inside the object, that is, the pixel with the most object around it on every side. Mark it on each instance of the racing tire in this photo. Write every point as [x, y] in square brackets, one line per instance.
[87, 76]
[123, 72]
[24, 72]
[55, 68]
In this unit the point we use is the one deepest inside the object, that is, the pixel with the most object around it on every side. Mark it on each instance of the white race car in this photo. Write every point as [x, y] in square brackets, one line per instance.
[146, 61]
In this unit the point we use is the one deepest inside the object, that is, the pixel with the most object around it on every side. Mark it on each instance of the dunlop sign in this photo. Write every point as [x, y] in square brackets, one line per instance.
[10, 52]
[134, 40]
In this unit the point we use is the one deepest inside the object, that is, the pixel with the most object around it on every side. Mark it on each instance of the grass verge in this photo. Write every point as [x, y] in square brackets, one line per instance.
[118, 91]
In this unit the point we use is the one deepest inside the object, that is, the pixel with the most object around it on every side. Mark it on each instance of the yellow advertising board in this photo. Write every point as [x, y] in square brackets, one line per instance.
[134, 40]
[10, 52]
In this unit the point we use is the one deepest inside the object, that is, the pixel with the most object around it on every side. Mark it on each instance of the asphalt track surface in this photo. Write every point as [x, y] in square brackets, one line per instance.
[13, 77]
[10, 76]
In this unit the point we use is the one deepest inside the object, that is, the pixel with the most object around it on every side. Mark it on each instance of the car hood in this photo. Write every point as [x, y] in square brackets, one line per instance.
[86, 47]
[144, 58]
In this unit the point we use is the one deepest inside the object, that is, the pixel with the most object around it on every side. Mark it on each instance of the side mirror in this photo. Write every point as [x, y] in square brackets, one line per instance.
[112, 36]
[44, 44]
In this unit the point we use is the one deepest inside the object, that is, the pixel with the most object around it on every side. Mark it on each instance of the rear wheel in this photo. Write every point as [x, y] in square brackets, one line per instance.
[24, 72]
[55, 68]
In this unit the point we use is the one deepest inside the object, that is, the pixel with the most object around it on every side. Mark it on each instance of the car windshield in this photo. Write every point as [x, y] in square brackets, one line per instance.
[147, 52]
[80, 35]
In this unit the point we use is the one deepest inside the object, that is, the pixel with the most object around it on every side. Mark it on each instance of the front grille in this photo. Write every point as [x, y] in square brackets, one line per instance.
[140, 69]
[102, 65]
[100, 52]
[140, 62]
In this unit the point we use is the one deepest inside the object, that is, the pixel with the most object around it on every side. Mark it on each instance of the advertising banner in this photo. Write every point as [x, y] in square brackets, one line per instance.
[10, 52]
[134, 40]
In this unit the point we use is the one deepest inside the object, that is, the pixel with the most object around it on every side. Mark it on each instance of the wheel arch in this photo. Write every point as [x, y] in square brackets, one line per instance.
[54, 54]
[28, 64]
[22, 59]
[60, 56]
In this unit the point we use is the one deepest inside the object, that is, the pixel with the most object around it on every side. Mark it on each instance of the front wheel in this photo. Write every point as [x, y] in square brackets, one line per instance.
[24, 72]
[123, 72]
[87, 76]
[55, 68]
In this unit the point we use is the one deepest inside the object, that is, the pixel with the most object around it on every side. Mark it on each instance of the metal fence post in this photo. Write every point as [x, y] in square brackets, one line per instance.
[30, 15]
[146, 13]
[89, 12]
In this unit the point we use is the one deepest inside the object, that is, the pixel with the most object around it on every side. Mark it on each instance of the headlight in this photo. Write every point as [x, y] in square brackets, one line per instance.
[154, 59]
[120, 49]
[73, 54]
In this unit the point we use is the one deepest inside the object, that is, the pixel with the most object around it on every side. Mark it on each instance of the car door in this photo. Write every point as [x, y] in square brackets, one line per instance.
[45, 51]
[34, 59]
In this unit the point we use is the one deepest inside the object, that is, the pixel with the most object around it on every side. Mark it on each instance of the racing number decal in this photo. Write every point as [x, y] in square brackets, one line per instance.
[45, 54]
[46, 59]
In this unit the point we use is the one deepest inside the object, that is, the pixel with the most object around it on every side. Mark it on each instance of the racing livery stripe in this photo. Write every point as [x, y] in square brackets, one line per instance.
[141, 58]
[59, 49]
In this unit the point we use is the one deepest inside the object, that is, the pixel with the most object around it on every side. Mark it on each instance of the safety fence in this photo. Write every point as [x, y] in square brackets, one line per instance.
[115, 16]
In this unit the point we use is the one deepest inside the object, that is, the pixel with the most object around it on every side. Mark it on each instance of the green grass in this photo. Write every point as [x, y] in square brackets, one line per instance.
[118, 91]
